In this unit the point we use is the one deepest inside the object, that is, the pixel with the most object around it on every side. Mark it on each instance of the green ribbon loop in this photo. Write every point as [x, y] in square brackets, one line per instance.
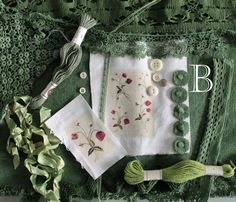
[45, 166]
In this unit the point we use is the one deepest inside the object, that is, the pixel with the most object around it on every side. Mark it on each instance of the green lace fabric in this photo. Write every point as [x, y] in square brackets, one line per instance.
[25, 52]
[32, 31]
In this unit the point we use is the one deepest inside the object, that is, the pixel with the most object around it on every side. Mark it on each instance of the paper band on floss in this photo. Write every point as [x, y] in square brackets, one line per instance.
[48, 90]
[79, 35]
[152, 175]
[214, 170]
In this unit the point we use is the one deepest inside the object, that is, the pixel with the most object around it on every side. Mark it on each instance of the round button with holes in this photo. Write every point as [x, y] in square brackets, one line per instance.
[152, 91]
[82, 90]
[157, 76]
[156, 64]
[83, 75]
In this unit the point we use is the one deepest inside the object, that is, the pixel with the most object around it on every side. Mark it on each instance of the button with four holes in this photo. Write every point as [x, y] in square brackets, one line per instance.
[152, 91]
[82, 90]
[156, 64]
[157, 76]
[83, 75]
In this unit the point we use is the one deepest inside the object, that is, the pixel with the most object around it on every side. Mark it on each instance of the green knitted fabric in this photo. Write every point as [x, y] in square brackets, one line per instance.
[203, 30]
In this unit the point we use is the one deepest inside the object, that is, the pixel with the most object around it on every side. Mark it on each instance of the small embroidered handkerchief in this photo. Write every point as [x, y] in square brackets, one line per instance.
[86, 137]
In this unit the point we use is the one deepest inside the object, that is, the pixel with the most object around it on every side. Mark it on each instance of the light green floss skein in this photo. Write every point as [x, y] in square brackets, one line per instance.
[180, 172]
[70, 55]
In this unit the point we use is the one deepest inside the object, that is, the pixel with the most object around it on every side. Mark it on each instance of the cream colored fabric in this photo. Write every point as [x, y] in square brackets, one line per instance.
[154, 133]
[85, 136]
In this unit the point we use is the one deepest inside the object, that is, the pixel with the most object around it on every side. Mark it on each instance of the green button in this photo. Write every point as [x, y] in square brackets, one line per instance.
[181, 145]
[181, 111]
[178, 94]
[180, 78]
[181, 128]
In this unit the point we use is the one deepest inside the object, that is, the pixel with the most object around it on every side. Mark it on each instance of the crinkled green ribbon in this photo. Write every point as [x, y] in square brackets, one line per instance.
[45, 166]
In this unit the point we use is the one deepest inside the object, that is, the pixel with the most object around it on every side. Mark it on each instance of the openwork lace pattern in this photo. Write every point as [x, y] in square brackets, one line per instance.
[217, 113]
[25, 52]
[110, 14]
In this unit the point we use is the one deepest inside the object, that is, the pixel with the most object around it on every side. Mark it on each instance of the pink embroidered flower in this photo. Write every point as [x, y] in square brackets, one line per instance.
[126, 121]
[100, 135]
[74, 136]
[128, 81]
[124, 75]
[148, 110]
[148, 103]
[113, 111]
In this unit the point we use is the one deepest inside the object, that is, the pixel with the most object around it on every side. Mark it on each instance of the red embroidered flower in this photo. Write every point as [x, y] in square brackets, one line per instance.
[126, 121]
[124, 75]
[100, 135]
[148, 110]
[128, 81]
[113, 111]
[148, 103]
[74, 136]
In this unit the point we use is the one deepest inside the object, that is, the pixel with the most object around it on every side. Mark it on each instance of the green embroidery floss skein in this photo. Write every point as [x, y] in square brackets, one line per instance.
[70, 55]
[182, 171]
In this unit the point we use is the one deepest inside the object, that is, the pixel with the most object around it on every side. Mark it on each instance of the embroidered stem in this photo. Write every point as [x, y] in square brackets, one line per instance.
[104, 87]
[102, 109]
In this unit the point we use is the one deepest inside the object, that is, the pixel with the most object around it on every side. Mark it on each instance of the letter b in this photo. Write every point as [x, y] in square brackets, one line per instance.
[204, 77]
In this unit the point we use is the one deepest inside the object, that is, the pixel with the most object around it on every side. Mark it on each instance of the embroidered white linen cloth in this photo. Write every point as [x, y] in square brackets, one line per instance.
[153, 134]
[86, 137]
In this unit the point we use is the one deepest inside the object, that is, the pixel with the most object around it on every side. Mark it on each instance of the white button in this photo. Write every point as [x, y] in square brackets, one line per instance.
[157, 76]
[152, 91]
[82, 90]
[156, 65]
[83, 75]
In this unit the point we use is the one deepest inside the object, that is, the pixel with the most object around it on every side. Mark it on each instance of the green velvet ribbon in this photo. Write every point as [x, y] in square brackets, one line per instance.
[45, 166]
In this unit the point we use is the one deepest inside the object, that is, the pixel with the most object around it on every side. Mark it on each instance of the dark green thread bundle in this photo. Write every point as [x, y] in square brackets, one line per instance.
[70, 55]
[180, 172]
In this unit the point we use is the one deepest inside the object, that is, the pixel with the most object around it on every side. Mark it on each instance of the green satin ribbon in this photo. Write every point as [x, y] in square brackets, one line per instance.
[45, 166]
